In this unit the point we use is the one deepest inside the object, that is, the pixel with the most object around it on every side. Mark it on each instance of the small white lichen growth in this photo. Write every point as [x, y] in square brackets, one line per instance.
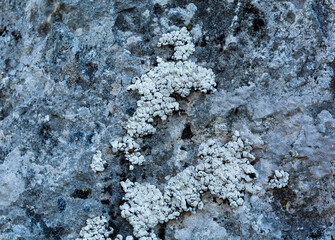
[156, 88]
[145, 207]
[279, 180]
[130, 148]
[182, 42]
[98, 164]
[96, 228]
[224, 171]
[120, 237]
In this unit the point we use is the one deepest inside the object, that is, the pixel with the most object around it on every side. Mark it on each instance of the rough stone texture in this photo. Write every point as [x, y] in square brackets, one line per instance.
[64, 69]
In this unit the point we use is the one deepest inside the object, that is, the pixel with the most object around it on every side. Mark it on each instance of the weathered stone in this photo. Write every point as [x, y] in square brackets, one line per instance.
[64, 70]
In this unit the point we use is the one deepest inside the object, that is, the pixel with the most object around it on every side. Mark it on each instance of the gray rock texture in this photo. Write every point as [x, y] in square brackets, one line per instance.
[64, 69]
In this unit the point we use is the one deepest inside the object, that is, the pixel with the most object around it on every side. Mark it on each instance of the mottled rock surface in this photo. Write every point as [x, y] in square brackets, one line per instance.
[64, 69]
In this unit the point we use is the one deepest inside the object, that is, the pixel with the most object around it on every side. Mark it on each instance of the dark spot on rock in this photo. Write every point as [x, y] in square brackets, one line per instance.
[98, 126]
[113, 225]
[176, 96]
[236, 31]
[316, 234]
[3, 153]
[143, 176]
[157, 9]
[109, 189]
[81, 193]
[146, 39]
[258, 24]
[90, 138]
[45, 132]
[332, 82]
[284, 202]
[282, 196]
[3, 30]
[183, 148]
[253, 162]
[161, 231]
[187, 132]
[63, 7]
[222, 39]
[188, 205]
[105, 201]
[17, 35]
[121, 23]
[44, 29]
[252, 175]
[7, 64]
[130, 111]
[61, 203]
[114, 217]
[225, 201]
[154, 62]
[91, 69]
[290, 17]
[203, 42]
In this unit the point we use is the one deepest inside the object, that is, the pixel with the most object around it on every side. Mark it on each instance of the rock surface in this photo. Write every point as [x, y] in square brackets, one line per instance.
[64, 70]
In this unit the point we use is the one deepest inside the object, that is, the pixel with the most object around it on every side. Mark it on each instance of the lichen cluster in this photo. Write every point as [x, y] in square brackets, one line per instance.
[224, 171]
[156, 88]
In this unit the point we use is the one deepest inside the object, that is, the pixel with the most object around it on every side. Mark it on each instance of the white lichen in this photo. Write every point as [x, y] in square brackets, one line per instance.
[98, 164]
[156, 88]
[145, 207]
[120, 237]
[279, 179]
[130, 148]
[182, 42]
[224, 171]
[96, 228]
